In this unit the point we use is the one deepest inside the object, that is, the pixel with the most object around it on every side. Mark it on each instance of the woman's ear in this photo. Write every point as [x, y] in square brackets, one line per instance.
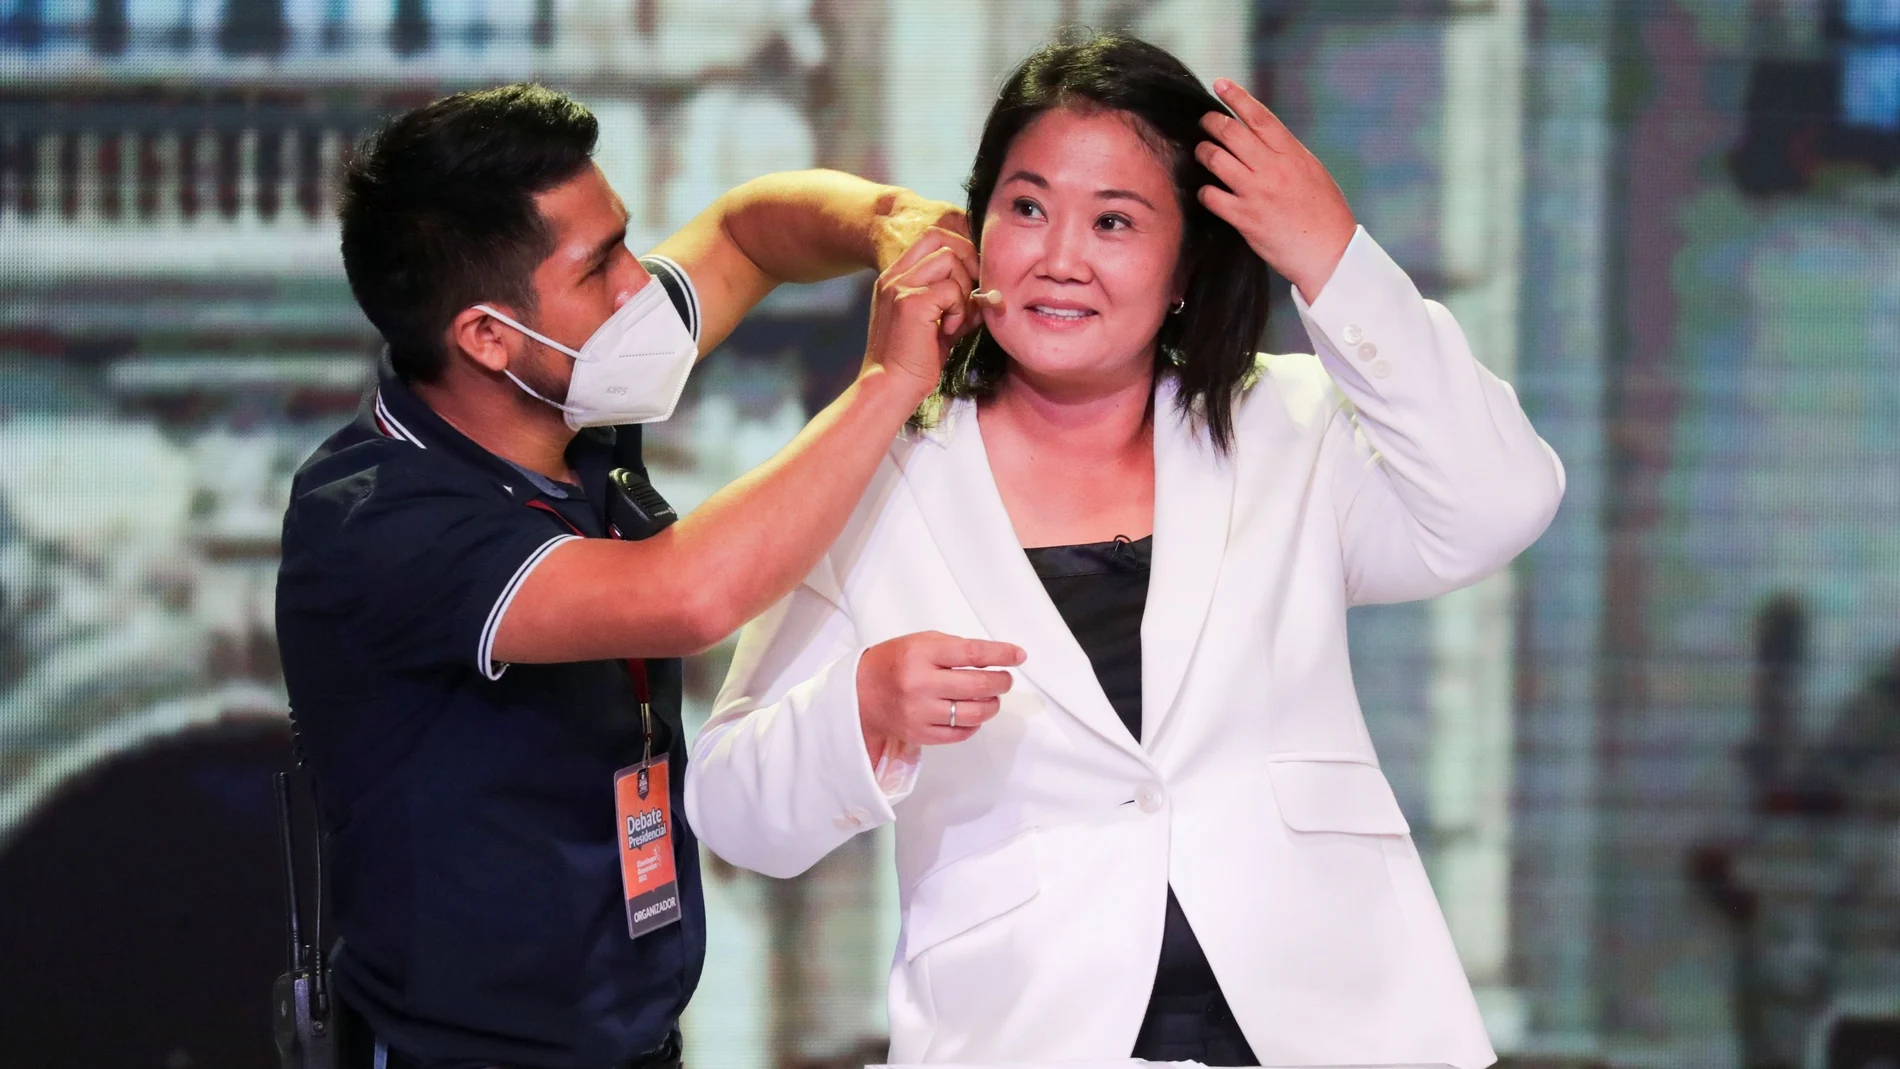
[1177, 290]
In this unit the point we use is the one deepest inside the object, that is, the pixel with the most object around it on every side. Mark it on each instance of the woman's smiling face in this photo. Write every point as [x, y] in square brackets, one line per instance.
[1082, 237]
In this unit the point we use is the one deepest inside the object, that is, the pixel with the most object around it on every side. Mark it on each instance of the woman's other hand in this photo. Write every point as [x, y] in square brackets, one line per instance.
[906, 688]
[920, 305]
[1283, 200]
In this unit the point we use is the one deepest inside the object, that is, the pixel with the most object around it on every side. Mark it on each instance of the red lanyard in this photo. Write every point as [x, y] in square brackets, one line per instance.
[636, 667]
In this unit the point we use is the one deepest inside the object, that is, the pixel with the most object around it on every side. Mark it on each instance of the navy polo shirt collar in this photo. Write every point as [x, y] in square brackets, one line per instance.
[548, 487]
[399, 413]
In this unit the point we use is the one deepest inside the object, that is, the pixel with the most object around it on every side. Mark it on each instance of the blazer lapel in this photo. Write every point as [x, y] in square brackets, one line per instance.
[1194, 501]
[951, 481]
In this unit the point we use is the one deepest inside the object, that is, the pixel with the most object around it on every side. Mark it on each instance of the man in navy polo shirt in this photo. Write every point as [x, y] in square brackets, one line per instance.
[482, 666]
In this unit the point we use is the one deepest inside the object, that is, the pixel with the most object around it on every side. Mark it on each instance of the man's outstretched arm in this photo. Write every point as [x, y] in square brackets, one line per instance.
[796, 226]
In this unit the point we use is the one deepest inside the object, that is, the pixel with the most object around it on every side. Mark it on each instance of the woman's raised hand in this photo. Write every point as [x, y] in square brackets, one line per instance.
[921, 305]
[1283, 200]
[908, 686]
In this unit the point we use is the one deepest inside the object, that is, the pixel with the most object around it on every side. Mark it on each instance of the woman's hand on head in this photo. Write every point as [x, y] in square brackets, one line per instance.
[1282, 199]
[906, 687]
[920, 306]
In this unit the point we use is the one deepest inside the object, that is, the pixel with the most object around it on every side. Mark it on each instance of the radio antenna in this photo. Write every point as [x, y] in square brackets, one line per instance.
[287, 837]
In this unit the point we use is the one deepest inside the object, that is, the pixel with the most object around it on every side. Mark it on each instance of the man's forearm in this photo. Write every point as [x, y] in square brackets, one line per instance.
[757, 538]
[728, 560]
[797, 226]
[807, 226]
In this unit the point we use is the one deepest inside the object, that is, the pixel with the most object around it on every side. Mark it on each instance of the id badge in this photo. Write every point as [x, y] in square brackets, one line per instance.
[644, 811]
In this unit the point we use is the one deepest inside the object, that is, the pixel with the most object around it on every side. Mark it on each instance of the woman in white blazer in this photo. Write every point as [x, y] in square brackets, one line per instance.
[1126, 510]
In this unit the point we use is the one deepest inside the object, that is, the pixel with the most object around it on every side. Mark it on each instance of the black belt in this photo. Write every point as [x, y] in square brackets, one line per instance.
[666, 1057]
[357, 1050]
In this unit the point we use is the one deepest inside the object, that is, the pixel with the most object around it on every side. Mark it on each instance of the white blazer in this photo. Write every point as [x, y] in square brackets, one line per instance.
[1034, 859]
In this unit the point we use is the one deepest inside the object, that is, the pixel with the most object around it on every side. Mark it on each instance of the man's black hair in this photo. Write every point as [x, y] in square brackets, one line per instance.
[1209, 347]
[438, 211]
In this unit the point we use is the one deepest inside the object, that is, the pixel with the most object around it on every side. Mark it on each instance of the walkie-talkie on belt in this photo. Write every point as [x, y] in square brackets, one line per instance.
[301, 1017]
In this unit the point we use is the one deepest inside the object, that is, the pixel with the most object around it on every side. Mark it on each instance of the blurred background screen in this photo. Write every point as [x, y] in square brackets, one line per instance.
[1654, 770]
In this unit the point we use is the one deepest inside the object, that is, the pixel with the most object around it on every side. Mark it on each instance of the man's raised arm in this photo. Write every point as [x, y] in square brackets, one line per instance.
[796, 226]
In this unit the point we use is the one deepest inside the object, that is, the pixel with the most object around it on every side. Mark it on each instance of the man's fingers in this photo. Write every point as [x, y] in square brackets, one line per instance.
[940, 264]
[965, 251]
[951, 298]
[946, 284]
[919, 249]
[925, 261]
[934, 239]
[972, 264]
[959, 244]
[954, 238]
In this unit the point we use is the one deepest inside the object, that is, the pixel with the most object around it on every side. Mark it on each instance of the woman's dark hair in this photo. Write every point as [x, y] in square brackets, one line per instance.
[438, 211]
[1209, 347]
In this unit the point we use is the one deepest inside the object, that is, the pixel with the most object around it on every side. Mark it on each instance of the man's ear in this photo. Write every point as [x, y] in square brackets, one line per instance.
[482, 338]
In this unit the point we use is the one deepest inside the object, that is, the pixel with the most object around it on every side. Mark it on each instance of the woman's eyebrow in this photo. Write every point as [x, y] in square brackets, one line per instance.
[1040, 182]
[1123, 194]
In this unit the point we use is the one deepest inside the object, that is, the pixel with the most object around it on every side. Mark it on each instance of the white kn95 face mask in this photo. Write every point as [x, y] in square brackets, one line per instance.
[630, 371]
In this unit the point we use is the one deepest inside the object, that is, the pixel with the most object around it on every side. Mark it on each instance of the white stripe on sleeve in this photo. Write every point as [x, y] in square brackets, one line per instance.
[685, 281]
[485, 649]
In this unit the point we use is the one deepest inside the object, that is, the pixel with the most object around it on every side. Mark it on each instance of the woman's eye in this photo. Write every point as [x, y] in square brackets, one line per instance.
[1028, 209]
[1113, 222]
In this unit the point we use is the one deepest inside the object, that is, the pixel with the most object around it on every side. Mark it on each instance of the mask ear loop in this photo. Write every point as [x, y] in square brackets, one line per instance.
[531, 392]
[530, 332]
[543, 339]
